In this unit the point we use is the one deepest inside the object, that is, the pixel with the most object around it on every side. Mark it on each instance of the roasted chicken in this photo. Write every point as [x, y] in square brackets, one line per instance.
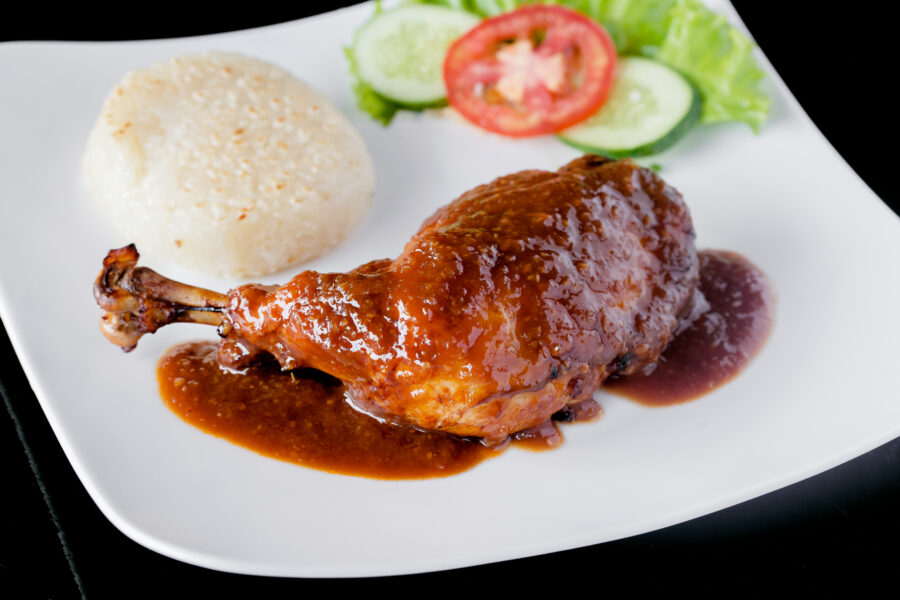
[515, 300]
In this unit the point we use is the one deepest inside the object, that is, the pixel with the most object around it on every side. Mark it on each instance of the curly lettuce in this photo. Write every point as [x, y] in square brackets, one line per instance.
[719, 60]
[684, 34]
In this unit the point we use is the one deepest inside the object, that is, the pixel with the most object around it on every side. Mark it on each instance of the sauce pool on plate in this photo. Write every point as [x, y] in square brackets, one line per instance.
[301, 417]
[716, 345]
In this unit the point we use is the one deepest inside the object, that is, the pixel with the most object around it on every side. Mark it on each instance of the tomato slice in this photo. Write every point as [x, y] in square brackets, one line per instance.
[532, 71]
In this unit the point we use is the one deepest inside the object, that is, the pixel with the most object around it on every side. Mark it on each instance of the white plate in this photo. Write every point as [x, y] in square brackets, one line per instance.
[783, 198]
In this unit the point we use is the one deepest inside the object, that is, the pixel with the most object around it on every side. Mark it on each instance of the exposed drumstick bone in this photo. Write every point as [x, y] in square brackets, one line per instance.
[138, 300]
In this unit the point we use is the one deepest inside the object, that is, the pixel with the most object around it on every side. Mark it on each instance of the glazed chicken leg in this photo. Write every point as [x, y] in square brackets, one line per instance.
[513, 301]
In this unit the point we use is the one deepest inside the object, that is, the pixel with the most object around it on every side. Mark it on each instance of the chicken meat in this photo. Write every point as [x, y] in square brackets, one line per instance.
[517, 299]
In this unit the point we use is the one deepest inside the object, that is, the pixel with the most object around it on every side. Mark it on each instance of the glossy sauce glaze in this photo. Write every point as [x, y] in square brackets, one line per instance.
[516, 299]
[302, 416]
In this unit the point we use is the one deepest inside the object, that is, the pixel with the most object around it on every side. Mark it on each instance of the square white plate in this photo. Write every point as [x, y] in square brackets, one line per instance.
[784, 199]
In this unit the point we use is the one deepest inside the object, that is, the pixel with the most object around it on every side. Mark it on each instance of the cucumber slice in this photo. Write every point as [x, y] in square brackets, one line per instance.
[650, 107]
[400, 53]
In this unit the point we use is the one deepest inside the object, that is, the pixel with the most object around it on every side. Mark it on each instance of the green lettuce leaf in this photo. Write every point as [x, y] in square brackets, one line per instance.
[719, 60]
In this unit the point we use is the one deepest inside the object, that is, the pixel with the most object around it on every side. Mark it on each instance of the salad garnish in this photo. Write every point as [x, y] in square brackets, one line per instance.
[712, 56]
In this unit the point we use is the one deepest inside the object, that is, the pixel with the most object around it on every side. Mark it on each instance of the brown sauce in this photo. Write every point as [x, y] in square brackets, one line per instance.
[547, 435]
[718, 344]
[301, 416]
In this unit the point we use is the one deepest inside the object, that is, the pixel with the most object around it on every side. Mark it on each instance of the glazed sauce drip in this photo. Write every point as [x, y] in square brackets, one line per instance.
[586, 410]
[301, 417]
[547, 435]
[718, 344]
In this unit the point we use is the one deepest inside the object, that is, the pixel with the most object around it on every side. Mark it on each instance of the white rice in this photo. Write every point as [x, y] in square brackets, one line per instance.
[227, 164]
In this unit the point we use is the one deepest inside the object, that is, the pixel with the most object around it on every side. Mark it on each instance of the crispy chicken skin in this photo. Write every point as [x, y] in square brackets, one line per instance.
[518, 298]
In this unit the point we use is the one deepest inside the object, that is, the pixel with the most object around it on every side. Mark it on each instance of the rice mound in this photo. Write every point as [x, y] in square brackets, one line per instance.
[227, 164]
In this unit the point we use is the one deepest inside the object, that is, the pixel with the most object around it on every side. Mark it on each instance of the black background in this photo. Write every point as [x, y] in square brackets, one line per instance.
[839, 528]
